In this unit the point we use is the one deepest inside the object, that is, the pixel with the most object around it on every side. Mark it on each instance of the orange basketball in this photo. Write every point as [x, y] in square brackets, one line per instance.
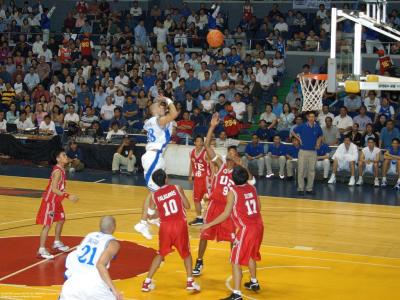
[215, 38]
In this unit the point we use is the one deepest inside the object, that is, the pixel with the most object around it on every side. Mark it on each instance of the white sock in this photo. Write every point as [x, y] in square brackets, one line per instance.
[144, 222]
[57, 242]
[333, 175]
[147, 280]
[190, 279]
[398, 180]
[237, 292]
[352, 177]
[41, 249]
[199, 217]
[254, 280]
[384, 179]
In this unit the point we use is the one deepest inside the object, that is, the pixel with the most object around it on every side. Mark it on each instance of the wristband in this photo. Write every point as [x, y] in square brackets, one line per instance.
[168, 101]
[215, 158]
[65, 195]
[252, 181]
[150, 211]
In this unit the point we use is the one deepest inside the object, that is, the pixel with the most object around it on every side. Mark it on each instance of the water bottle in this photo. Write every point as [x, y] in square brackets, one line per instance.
[187, 140]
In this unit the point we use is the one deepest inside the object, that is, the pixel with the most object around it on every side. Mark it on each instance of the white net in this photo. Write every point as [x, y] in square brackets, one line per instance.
[313, 89]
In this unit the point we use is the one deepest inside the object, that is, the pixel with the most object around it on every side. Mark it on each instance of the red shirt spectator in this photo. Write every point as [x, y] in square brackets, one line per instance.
[39, 92]
[185, 126]
[231, 125]
[81, 7]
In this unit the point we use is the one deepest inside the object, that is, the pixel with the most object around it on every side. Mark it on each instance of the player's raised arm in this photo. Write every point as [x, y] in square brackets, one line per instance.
[210, 151]
[227, 212]
[105, 258]
[172, 112]
[56, 178]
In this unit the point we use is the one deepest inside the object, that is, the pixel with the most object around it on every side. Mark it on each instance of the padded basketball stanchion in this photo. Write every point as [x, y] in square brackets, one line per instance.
[313, 87]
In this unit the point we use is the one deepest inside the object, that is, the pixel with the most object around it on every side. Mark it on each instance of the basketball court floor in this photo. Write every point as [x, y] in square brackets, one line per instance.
[321, 249]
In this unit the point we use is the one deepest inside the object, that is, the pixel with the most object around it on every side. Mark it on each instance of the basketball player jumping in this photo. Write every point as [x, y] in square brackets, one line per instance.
[199, 169]
[51, 209]
[159, 130]
[87, 266]
[171, 202]
[243, 206]
[222, 182]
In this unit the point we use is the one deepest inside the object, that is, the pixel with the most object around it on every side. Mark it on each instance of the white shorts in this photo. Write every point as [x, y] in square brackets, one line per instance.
[369, 169]
[80, 288]
[393, 167]
[343, 165]
[152, 161]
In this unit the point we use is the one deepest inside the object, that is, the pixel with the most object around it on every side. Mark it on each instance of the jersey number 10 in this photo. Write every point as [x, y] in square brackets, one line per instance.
[83, 258]
[170, 207]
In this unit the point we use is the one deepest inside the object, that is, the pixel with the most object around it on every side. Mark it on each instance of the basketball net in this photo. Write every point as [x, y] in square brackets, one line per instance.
[313, 87]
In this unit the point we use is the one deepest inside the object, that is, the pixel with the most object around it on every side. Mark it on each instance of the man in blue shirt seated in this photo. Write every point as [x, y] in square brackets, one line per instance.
[254, 155]
[130, 111]
[391, 163]
[323, 162]
[263, 132]
[75, 158]
[292, 154]
[276, 157]
[388, 133]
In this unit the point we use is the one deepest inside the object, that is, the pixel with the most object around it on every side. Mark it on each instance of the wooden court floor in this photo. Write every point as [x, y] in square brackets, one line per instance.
[311, 249]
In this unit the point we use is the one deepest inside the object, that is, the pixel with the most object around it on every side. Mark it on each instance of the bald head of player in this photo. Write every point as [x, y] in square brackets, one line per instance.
[107, 225]
[157, 109]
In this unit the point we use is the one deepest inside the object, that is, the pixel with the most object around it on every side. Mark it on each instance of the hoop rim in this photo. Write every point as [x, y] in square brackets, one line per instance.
[316, 76]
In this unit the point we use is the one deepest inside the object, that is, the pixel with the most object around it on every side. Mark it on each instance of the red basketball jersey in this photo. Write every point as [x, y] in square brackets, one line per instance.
[169, 203]
[246, 208]
[222, 183]
[48, 195]
[199, 163]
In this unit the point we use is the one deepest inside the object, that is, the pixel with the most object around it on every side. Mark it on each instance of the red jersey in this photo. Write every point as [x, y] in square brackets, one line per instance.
[222, 183]
[65, 55]
[199, 163]
[385, 63]
[231, 125]
[48, 195]
[247, 12]
[246, 208]
[86, 49]
[169, 203]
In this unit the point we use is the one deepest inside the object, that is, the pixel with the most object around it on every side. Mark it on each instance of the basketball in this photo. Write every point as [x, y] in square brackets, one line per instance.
[215, 38]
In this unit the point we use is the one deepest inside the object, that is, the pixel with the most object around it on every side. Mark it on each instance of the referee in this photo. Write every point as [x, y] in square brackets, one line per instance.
[309, 135]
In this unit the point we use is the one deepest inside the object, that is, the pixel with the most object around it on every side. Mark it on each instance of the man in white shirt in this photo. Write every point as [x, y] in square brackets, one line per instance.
[174, 79]
[136, 11]
[47, 126]
[281, 26]
[107, 110]
[71, 116]
[37, 47]
[264, 78]
[345, 158]
[24, 123]
[223, 83]
[122, 81]
[239, 107]
[114, 131]
[343, 122]
[323, 114]
[161, 33]
[224, 142]
[369, 162]
[55, 83]
[31, 79]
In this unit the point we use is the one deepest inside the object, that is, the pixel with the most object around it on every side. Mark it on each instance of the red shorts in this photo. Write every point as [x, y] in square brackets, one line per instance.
[247, 244]
[174, 233]
[50, 212]
[199, 188]
[224, 231]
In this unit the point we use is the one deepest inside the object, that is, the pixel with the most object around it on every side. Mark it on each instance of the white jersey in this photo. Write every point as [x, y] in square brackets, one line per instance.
[157, 136]
[83, 260]
[370, 155]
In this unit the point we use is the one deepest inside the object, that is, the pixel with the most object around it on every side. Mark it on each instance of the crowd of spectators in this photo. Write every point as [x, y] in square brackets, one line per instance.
[55, 82]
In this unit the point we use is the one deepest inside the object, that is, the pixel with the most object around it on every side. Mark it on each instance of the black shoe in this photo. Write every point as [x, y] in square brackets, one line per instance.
[300, 193]
[310, 192]
[115, 172]
[289, 178]
[196, 222]
[254, 286]
[233, 296]
[198, 267]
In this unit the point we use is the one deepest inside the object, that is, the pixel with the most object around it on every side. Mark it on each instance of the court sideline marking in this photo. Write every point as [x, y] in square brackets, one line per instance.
[100, 180]
[228, 285]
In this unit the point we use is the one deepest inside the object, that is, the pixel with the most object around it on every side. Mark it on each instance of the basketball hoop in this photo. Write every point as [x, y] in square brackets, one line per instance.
[313, 87]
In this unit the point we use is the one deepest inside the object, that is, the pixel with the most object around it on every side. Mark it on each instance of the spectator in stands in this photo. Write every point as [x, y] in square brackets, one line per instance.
[372, 102]
[369, 133]
[239, 107]
[12, 114]
[231, 125]
[292, 154]
[386, 109]
[323, 115]
[343, 121]
[362, 119]
[254, 155]
[391, 163]
[3, 122]
[276, 157]
[269, 117]
[355, 135]
[88, 117]
[323, 162]
[277, 108]
[352, 102]
[369, 162]
[185, 126]
[286, 118]
[31, 79]
[293, 95]
[345, 158]
[75, 158]
[119, 118]
[47, 126]
[379, 124]
[224, 141]
[331, 134]
[107, 110]
[265, 79]
[114, 130]
[124, 157]
[263, 132]
[23, 122]
[387, 134]
[71, 116]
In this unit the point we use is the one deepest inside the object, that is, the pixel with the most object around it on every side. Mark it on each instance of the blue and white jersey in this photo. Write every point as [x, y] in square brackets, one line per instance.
[157, 137]
[83, 260]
